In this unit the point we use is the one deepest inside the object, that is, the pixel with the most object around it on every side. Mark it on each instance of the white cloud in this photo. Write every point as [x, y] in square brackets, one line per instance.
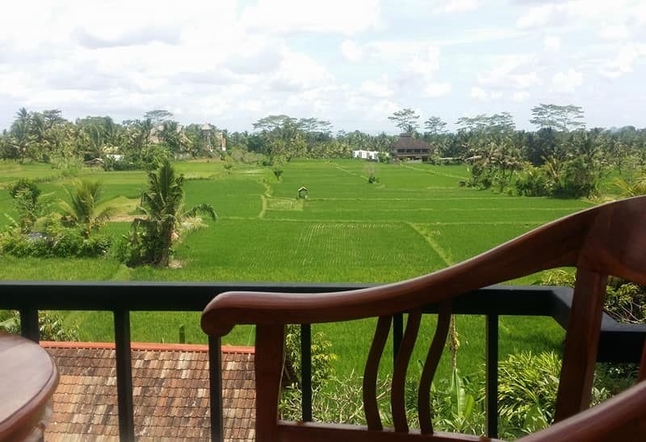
[330, 16]
[350, 51]
[299, 71]
[511, 71]
[376, 88]
[435, 90]
[566, 82]
[614, 32]
[461, 6]
[479, 94]
[538, 16]
[520, 96]
[624, 60]
[552, 43]
[425, 62]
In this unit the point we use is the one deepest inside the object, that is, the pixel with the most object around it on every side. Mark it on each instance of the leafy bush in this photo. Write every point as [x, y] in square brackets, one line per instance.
[50, 326]
[625, 301]
[29, 202]
[56, 241]
[455, 407]
[322, 358]
[482, 177]
[527, 387]
[533, 182]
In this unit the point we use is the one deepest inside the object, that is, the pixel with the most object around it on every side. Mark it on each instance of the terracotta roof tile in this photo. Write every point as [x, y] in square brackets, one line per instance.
[170, 392]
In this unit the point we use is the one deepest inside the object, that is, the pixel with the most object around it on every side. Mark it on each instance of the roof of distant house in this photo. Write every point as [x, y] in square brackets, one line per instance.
[406, 141]
[170, 392]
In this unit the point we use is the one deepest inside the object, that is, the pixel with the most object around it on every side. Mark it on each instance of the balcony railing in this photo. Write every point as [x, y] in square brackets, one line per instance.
[618, 342]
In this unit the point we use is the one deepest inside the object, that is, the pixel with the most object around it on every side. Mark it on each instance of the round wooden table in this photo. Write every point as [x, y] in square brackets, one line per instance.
[28, 379]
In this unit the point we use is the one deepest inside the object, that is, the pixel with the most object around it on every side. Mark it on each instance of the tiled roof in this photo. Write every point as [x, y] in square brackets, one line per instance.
[170, 392]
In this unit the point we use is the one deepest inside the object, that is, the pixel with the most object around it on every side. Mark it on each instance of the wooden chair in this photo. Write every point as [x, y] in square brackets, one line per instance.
[606, 240]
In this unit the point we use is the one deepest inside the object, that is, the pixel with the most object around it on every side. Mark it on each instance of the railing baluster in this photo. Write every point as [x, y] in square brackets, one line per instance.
[29, 324]
[492, 375]
[306, 371]
[215, 389]
[124, 374]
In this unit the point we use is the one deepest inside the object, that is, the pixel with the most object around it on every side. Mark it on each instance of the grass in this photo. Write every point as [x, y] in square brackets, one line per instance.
[415, 220]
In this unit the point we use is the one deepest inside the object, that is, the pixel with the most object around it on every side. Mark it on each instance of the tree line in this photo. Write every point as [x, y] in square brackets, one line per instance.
[560, 157]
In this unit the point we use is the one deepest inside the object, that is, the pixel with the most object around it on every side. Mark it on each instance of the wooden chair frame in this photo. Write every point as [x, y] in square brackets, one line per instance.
[606, 240]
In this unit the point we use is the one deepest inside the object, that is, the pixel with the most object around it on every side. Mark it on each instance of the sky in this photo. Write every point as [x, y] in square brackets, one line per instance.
[351, 62]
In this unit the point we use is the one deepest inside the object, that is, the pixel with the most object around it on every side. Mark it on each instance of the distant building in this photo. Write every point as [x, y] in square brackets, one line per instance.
[214, 139]
[366, 154]
[409, 148]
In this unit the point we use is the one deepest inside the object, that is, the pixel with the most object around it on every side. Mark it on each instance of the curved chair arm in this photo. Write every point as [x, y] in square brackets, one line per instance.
[554, 245]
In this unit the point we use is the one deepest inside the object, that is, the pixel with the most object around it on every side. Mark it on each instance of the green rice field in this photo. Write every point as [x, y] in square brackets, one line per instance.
[415, 220]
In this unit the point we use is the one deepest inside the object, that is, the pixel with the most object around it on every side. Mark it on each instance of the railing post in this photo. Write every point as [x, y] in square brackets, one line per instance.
[306, 371]
[124, 374]
[29, 324]
[492, 375]
[398, 334]
[215, 389]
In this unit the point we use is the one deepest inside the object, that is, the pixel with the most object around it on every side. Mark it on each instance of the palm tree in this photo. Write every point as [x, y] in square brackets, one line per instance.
[83, 209]
[163, 207]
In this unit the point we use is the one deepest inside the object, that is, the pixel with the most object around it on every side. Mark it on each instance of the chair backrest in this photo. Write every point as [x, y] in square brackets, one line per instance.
[605, 240]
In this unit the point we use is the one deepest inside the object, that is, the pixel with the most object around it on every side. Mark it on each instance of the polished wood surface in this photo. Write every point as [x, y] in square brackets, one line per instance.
[606, 240]
[28, 379]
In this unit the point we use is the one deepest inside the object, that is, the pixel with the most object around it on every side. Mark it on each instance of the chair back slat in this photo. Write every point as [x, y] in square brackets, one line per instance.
[430, 367]
[371, 371]
[402, 360]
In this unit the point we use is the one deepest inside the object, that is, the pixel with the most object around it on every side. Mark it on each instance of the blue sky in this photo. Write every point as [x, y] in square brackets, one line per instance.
[352, 62]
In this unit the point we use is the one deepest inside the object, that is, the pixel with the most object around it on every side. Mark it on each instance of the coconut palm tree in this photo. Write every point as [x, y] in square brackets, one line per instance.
[83, 209]
[163, 207]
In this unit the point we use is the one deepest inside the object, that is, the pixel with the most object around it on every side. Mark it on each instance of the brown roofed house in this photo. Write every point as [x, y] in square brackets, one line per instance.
[170, 392]
[409, 148]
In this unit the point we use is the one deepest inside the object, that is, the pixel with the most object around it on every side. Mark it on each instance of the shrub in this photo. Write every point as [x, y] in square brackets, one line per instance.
[527, 387]
[50, 326]
[533, 182]
[56, 241]
[322, 358]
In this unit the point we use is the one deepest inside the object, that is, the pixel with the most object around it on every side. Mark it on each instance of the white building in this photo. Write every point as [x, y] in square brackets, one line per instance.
[366, 154]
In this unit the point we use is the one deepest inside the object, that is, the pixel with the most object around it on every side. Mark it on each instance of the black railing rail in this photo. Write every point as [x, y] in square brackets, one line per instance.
[618, 342]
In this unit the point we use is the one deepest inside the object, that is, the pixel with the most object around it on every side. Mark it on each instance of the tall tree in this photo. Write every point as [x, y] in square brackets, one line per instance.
[562, 118]
[272, 122]
[483, 123]
[158, 116]
[163, 207]
[406, 120]
[435, 126]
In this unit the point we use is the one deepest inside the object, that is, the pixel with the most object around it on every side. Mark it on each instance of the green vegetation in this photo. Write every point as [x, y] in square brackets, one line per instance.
[152, 237]
[414, 221]
[325, 219]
